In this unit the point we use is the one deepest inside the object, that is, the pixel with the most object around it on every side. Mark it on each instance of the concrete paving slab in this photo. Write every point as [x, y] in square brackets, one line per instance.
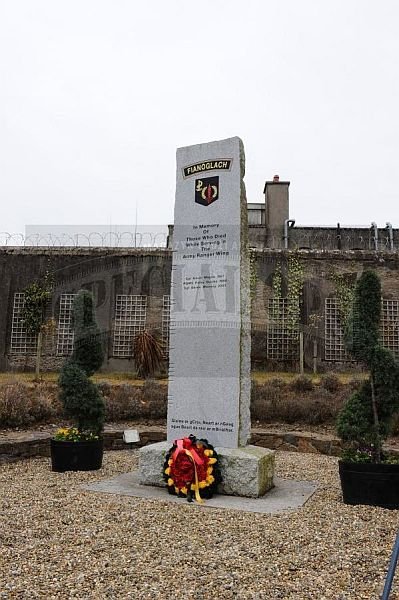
[288, 494]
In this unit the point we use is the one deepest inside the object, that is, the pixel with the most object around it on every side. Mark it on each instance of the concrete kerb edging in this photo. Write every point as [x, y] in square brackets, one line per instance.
[18, 445]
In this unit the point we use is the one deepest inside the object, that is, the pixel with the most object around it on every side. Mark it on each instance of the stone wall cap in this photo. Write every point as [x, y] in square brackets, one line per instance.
[275, 183]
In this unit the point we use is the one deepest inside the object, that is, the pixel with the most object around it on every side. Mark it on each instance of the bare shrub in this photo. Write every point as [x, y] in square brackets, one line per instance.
[155, 399]
[279, 404]
[122, 402]
[127, 401]
[323, 407]
[330, 382]
[302, 383]
[43, 405]
[14, 405]
[22, 405]
[265, 398]
[104, 387]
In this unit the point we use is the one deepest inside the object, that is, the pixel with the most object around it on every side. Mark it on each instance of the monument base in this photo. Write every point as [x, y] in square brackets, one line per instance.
[246, 471]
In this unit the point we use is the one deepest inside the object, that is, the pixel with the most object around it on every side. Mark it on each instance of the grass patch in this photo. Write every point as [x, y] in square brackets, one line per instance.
[126, 377]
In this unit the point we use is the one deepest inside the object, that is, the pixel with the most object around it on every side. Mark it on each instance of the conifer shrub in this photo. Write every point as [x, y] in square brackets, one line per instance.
[367, 418]
[81, 398]
[88, 351]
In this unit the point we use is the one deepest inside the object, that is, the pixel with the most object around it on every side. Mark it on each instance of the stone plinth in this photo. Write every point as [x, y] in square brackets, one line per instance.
[246, 471]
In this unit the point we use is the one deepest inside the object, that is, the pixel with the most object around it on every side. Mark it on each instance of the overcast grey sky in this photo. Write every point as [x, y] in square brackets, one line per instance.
[95, 97]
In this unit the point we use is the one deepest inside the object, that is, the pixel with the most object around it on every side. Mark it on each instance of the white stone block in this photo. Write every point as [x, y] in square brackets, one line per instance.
[246, 471]
[151, 462]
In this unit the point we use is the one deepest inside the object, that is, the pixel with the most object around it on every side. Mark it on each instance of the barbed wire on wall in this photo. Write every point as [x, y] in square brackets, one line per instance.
[347, 239]
[94, 239]
[298, 239]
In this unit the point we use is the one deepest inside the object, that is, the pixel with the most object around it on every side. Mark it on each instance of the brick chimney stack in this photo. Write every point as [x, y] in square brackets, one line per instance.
[276, 211]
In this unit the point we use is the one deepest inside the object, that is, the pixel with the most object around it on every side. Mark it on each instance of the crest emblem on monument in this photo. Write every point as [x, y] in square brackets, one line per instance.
[206, 190]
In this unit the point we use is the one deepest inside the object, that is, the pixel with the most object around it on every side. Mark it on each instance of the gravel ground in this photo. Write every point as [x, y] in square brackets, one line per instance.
[57, 541]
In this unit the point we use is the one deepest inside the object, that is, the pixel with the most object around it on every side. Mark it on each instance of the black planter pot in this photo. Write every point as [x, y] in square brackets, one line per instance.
[369, 483]
[76, 456]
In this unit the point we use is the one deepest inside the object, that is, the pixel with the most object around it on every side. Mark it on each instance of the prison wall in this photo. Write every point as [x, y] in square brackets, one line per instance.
[106, 272]
[138, 280]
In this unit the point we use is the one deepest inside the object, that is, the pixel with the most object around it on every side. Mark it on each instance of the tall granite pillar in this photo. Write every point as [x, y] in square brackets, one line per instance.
[209, 354]
[209, 357]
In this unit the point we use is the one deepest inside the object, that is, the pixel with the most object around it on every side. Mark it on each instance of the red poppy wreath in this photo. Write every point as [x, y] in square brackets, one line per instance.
[191, 469]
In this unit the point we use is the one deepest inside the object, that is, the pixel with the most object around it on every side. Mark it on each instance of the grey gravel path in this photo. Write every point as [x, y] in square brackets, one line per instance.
[57, 541]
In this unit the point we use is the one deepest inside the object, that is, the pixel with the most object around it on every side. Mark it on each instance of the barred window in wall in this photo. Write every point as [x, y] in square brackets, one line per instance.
[130, 316]
[334, 346]
[282, 330]
[21, 341]
[165, 323]
[390, 325]
[65, 332]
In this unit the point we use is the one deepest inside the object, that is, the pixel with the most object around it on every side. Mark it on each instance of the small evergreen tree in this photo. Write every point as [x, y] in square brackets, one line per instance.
[88, 351]
[81, 398]
[36, 297]
[366, 419]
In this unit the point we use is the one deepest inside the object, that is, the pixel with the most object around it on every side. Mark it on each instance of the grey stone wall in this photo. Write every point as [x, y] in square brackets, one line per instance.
[108, 272]
[320, 271]
[104, 271]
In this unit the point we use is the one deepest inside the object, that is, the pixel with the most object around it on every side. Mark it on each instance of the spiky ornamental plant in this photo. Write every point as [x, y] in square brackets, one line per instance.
[81, 398]
[366, 419]
[147, 353]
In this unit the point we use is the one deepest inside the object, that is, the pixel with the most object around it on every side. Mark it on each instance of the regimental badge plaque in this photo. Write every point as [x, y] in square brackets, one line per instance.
[206, 190]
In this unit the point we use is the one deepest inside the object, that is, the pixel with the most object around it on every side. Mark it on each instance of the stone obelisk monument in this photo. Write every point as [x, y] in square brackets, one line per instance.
[209, 354]
[209, 357]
